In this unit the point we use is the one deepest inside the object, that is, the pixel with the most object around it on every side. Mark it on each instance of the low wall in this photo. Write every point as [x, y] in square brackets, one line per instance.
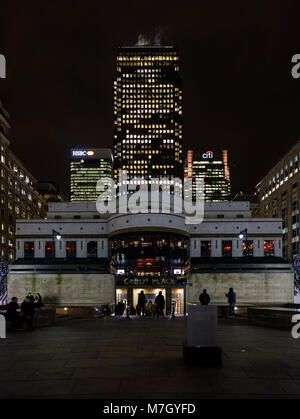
[64, 289]
[274, 317]
[250, 288]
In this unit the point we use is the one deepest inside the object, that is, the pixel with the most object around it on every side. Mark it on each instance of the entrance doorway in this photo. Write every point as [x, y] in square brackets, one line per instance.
[178, 300]
[150, 294]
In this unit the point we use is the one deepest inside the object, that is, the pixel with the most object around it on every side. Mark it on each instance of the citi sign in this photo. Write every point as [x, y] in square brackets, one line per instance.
[82, 153]
[2, 67]
[208, 155]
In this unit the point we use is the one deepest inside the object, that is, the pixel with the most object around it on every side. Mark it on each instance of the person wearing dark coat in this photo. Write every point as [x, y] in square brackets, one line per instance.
[27, 312]
[31, 297]
[120, 308]
[12, 315]
[141, 303]
[38, 302]
[231, 296]
[160, 304]
[204, 298]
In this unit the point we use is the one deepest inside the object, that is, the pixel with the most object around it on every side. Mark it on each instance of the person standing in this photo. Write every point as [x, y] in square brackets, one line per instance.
[27, 312]
[231, 296]
[204, 298]
[141, 303]
[31, 297]
[12, 315]
[160, 304]
[38, 302]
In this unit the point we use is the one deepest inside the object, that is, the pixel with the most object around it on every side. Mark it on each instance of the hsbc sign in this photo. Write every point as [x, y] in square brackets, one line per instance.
[208, 155]
[82, 153]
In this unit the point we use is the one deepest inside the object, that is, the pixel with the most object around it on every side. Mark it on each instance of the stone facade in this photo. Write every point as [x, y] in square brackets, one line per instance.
[251, 288]
[64, 289]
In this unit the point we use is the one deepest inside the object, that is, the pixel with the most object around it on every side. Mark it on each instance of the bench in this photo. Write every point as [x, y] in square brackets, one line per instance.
[42, 318]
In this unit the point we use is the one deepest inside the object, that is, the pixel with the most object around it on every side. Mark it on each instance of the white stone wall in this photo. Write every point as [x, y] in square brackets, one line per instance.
[64, 289]
[256, 287]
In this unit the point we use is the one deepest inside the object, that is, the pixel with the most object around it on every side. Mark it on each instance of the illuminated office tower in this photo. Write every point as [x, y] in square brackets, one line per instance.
[88, 166]
[148, 113]
[213, 168]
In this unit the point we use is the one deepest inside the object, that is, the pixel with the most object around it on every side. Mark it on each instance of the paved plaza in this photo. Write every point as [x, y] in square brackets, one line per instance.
[142, 358]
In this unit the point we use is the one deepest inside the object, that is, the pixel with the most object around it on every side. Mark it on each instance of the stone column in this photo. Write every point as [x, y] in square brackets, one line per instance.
[130, 296]
[168, 300]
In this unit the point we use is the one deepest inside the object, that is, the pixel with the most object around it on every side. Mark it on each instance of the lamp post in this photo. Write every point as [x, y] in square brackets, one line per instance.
[55, 236]
[244, 235]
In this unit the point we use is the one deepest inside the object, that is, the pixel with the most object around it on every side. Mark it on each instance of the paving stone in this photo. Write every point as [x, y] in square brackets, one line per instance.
[95, 386]
[111, 358]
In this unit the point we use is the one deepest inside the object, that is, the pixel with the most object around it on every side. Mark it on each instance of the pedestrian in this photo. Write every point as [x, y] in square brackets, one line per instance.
[231, 296]
[38, 302]
[12, 315]
[121, 308]
[141, 303]
[204, 298]
[31, 297]
[27, 312]
[160, 304]
[118, 309]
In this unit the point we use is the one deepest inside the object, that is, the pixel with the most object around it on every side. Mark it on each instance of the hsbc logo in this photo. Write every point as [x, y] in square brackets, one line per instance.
[82, 153]
[208, 155]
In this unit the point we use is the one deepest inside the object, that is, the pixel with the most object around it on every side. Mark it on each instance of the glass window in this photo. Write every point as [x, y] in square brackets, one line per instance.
[269, 247]
[92, 249]
[71, 249]
[227, 248]
[49, 250]
[248, 248]
[28, 250]
[205, 249]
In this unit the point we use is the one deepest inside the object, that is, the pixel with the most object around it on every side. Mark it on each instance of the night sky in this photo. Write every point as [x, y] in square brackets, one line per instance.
[235, 62]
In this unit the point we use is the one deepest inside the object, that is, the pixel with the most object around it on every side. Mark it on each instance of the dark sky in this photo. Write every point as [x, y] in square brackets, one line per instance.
[235, 62]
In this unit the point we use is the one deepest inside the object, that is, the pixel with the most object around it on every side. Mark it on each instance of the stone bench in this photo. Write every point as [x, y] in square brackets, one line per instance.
[273, 317]
[42, 318]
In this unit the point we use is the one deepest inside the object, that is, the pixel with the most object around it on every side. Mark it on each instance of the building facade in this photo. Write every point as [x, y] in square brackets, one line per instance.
[153, 252]
[18, 197]
[50, 191]
[210, 175]
[87, 168]
[148, 114]
[279, 196]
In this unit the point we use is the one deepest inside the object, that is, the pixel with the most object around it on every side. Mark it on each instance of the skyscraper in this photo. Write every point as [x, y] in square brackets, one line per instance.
[88, 166]
[148, 113]
[213, 168]
[18, 196]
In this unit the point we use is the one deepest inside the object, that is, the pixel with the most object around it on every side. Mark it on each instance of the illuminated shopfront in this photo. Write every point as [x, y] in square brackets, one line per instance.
[152, 262]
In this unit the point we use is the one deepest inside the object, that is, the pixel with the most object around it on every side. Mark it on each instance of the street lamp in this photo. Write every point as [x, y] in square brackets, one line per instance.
[55, 236]
[244, 235]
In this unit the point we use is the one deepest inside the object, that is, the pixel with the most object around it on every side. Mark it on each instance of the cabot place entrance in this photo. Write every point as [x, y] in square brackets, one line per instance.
[173, 296]
[152, 262]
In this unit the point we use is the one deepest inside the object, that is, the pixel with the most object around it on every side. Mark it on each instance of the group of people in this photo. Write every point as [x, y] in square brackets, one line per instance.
[143, 307]
[151, 309]
[231, 297]
[26, 313]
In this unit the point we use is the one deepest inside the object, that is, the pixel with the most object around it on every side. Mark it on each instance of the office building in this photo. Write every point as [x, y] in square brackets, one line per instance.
[148, 113]
[211, 168]
[50, 191]
[18, 197]
[279, 196]
[88, 166]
